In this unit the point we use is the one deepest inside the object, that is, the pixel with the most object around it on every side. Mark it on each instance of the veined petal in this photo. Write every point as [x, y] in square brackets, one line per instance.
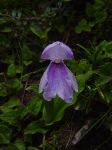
[58, 83]
[44, 80]
[57, 50]
[73, 80]
[58, 80]
[64, 89]
[50, 89]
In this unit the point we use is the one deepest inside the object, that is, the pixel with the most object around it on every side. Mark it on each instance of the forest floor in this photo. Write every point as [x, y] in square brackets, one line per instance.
[79, 131]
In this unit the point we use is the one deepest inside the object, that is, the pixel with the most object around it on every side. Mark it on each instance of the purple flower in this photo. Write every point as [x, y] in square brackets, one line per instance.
[57, 50]
[57, 79]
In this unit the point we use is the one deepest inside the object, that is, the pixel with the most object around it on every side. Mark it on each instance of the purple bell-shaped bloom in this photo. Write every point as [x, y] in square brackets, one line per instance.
[57, 50]
[57, 79]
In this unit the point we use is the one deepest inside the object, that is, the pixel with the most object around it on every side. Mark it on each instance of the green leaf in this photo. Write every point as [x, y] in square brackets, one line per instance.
[39, 32]
[15, 84]
[105, 69]
[11, 70]
[89, 10]
[10, 117]
[108, 96]
[7, 29]
[5, 133]
[96, 11]
[20, 144]
[26, 53]
[53, 111]
[100, 16]
[10, 111]
[104, 50]
[19, 68]
[82, 78]
[10, 147]
[26, 63]
[83, 25]
[12, 103]
[105, 45]
[33, 107]
[32, 148]
[3, 90]
[36, 127]
[83, 67]
[102, 80]
[85, 49]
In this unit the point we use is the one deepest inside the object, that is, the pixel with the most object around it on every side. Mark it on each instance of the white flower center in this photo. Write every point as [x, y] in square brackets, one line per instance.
[57, 61]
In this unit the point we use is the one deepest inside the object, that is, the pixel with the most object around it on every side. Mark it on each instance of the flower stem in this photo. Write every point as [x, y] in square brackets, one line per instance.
[49, 109]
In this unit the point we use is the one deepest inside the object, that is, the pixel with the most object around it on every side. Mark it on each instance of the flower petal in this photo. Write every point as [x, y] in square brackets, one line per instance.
[58, 83]
[58, 80]
[64, 88]
[44, 80]
[73, 80]
[50, 89]
[57, 50]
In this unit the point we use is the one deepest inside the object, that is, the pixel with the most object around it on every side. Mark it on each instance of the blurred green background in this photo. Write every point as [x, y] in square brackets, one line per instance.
[26, 27]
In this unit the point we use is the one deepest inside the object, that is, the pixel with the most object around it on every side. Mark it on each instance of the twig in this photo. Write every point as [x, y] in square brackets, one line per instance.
[22, 99]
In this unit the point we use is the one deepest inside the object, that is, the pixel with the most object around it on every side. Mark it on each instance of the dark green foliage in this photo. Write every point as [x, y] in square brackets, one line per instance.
[26, 27]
